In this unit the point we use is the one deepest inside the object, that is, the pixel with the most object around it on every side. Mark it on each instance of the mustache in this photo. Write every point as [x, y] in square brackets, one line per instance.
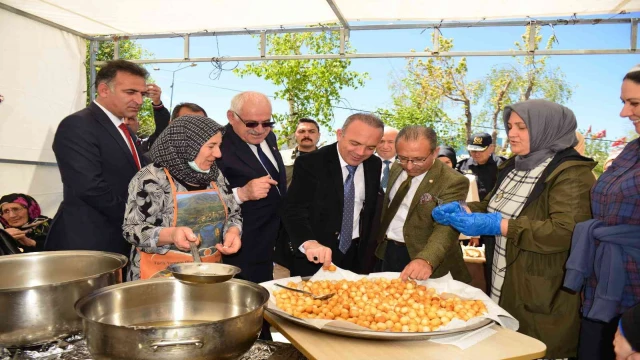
[306, 138]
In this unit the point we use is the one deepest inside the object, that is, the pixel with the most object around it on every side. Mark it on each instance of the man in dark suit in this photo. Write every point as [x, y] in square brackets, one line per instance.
[332, 199]
[253, 166]
[97, 159]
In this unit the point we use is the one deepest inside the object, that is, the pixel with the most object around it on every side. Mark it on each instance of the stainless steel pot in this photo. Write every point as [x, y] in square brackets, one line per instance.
[167, 319]
[38, 292]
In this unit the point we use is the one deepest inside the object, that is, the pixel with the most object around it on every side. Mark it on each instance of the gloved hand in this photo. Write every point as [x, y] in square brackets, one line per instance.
[476, 224]
[441, 213]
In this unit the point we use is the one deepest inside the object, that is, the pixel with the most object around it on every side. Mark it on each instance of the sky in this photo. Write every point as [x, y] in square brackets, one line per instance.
[596, 79]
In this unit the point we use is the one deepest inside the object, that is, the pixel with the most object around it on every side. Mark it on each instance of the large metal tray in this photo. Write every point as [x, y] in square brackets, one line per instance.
[380, 335]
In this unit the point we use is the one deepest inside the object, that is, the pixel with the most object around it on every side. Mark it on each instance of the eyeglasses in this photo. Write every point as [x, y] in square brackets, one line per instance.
[415, 162]
[254, 124]
[13, 210]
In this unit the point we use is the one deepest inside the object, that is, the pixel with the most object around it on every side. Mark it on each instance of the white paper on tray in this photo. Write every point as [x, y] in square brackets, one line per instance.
[445, 284]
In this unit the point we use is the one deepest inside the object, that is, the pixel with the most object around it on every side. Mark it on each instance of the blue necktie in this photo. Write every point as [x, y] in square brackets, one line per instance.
[275, 175]
[385, 174]
[346, 232]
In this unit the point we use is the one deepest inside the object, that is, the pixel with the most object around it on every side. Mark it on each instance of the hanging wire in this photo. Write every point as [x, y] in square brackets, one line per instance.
[219, 64]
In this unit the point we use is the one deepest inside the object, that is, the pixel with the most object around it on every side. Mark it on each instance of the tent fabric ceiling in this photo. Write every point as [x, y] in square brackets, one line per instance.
[122, 17]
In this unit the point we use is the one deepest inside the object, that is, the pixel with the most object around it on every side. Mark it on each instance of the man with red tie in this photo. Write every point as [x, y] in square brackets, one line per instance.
[97, 158]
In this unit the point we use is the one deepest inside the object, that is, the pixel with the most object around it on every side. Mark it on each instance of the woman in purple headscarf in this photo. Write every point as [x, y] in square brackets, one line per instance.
[22, 219]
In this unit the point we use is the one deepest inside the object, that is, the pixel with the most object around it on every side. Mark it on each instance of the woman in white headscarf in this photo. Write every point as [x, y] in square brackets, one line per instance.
[541, 193]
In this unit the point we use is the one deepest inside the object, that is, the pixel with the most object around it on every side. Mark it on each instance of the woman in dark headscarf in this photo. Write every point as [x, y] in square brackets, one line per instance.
[180, 198]
[448, 156]
[541, 193]
[22, 219]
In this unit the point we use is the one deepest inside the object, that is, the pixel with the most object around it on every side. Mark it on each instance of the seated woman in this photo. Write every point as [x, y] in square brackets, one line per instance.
[181, 198]
[541, 193]
[22, 219]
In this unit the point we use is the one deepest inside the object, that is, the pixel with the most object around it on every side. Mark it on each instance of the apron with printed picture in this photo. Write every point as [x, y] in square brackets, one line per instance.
[204, 212]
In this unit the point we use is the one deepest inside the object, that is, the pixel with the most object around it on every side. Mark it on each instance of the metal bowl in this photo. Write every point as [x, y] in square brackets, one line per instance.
[169, 319]
[38, 292]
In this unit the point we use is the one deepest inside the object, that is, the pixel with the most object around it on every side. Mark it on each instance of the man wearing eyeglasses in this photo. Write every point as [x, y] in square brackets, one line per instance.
[409, 241]
[330, 205]
[253, 166]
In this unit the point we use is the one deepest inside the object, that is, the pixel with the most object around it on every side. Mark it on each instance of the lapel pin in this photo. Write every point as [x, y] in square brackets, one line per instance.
[430, 181]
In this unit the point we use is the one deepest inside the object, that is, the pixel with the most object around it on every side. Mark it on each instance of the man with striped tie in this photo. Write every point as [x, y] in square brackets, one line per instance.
[386, 151]
[329, 207]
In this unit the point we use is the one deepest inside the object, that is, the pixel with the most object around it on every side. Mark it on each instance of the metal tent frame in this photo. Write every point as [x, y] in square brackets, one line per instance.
[345, 28]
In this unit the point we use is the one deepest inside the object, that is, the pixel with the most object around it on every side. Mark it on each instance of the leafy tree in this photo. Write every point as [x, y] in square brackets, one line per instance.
[311, 87]
[412, 105]
[529, 77]
[597, 150]
[129, 50]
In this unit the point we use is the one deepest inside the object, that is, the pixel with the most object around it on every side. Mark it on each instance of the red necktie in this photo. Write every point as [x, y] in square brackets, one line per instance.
[125, 130]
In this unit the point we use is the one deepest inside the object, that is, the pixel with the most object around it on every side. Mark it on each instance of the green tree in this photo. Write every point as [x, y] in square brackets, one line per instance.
[530, 77]
[429, 84]
[311, 87]
[412, 105]
[597, 150]
[129, 50]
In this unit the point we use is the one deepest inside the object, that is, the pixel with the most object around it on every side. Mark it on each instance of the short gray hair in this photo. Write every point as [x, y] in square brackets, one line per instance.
[417, 132]
[237, 102]
[367, 118]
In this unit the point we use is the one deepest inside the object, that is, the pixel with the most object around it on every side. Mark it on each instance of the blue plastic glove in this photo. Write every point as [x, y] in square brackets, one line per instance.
[441, 213]
[476, 224]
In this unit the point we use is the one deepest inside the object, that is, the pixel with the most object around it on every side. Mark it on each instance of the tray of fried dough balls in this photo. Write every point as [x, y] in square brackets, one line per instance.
[381, 306]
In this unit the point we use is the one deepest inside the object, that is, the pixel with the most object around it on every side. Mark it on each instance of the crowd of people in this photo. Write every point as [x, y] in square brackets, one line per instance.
[562, 247]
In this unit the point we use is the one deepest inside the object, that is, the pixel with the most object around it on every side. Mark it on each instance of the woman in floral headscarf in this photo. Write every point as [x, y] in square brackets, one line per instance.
[22, 219]
[181, 198]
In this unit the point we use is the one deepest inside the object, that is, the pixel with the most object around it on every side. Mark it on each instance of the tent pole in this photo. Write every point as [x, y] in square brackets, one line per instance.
[93, 51]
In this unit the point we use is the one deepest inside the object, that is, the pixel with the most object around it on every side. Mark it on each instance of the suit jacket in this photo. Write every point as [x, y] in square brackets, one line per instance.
[425, 238]
[261, 220]
[313, 207]
[96, 166]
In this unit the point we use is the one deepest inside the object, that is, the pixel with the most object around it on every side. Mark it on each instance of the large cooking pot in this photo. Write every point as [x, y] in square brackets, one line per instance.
[38, 292]
[167, 319]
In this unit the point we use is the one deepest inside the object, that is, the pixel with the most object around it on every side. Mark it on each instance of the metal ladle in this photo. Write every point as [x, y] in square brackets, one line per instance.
[202, 273]
[315, 297]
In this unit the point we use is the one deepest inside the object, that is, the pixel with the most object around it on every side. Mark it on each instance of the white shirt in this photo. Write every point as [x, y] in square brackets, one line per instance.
[395, 231]
[116, 122]
[358, 181]
[358, 203]
[254, 148]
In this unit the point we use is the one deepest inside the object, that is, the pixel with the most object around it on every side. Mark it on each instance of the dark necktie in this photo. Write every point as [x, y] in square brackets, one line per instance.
[393, 208]
[385, 174]
[273, 172]
[346, 231]
[132, 147]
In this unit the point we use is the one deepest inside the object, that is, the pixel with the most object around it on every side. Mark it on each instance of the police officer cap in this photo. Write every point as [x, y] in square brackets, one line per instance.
[479, 142]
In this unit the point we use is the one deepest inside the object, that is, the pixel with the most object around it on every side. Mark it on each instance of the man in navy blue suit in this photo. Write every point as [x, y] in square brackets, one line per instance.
[97, 158]
[253, 166]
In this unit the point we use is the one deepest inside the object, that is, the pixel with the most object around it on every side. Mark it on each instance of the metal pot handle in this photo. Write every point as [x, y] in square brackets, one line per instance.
[164, 343]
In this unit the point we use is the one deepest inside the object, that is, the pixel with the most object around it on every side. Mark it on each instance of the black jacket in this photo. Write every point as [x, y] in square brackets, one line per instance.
[313, 207]
[260, 219]
[96, 167]
[486, 174]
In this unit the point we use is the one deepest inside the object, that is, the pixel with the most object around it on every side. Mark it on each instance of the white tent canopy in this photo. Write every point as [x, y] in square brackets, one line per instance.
[126, 17]
[38, 94]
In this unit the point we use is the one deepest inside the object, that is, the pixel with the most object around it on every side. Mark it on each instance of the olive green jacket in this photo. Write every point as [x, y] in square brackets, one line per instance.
[538, 243]
[425, 238]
